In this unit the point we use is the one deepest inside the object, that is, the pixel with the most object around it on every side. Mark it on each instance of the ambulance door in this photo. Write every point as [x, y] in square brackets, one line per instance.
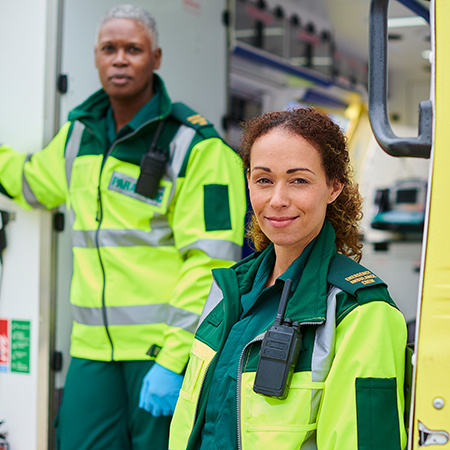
[429, 420]
[28, 45]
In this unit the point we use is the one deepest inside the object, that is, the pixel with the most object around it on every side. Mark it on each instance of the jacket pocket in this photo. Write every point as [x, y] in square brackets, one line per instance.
[85, 173]
[285, 424]
[200, 357]
[184, 417]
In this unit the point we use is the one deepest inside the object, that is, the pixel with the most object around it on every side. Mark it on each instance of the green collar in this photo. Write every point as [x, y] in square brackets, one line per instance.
[293, 272]
[308, 302]
[148, 112]
[309, 299]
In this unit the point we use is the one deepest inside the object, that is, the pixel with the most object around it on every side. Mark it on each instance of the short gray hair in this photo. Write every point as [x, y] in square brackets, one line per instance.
[135, 13]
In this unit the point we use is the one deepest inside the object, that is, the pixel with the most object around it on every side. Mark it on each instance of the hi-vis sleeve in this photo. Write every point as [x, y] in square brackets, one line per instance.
[363, 400]
[37, 180]
[208, 224]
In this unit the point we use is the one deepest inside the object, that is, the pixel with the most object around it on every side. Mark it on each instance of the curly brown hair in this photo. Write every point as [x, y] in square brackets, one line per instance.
[331, 143]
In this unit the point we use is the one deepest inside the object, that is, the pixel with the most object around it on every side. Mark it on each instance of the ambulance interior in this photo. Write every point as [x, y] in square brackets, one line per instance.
[239, 58]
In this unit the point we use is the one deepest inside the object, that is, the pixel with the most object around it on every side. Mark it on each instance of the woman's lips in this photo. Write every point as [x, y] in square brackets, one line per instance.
[280, 222]
[119, 79]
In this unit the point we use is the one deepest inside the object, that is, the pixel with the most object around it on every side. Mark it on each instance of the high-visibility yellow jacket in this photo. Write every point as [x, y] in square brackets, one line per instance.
[346, 392]
[141, 267]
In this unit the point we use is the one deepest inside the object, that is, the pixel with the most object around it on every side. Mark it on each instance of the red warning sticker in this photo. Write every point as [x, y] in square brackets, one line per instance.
[4, 345]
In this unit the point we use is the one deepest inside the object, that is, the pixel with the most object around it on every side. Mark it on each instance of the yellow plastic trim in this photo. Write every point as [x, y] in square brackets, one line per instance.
[433, 349]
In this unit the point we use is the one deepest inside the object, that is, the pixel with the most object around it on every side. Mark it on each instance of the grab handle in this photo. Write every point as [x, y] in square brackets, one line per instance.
[418, 147]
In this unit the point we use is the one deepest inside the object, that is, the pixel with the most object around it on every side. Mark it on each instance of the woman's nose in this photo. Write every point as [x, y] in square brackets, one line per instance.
[280, 196]
[120, 57]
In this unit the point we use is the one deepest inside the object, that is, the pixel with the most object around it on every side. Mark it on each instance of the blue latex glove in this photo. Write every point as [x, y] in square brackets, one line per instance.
[160, 390]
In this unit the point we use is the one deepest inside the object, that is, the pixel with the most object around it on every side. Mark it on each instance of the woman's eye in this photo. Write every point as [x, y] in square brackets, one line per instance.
[300, 181]
[262, 181]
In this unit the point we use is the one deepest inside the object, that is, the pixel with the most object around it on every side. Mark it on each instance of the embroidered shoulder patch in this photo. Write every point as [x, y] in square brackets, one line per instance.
[350, 276]
[365, 277]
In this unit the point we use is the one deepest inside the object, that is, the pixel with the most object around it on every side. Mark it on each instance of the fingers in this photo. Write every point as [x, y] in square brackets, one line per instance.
[157, 406]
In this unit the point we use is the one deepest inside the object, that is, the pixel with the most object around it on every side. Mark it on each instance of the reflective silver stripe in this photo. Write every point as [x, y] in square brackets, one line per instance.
[322, 359]
[137, 315]
[122, 238]
[216, 249]
[183, 319]
[72, 147]
[83, 239]
[131, 238]
[161, 229]
[178, 149]
[323, 352]
[26, 189]
[121, 315]
[157, 237]
[214, 298]
[71, 217]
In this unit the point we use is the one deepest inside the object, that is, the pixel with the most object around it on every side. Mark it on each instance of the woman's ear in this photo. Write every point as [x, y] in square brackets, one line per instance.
[337, 187]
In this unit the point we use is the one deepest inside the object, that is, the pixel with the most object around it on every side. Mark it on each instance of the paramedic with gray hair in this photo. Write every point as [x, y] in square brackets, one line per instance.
[156, 200]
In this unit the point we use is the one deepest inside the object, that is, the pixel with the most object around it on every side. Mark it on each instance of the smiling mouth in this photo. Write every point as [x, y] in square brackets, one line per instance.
[281, 222]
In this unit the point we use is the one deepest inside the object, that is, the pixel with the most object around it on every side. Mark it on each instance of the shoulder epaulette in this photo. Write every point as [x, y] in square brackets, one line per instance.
[348, 275]
[193, 119]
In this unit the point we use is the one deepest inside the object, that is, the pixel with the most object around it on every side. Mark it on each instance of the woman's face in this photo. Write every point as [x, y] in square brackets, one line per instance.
[289, 192]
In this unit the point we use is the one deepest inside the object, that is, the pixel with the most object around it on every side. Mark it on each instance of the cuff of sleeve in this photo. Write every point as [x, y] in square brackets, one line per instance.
[176, 365]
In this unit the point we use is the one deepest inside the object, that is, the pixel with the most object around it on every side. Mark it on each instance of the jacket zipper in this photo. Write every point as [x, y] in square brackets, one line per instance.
[100, 220]
[97, 243]
[238, 388]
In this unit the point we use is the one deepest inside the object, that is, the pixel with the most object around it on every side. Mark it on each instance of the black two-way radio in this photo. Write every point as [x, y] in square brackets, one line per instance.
[279, 353]
[153, 166]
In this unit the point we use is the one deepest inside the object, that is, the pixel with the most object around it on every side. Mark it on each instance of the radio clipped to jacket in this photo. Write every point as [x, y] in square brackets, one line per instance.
[279, 353]
[153, 167]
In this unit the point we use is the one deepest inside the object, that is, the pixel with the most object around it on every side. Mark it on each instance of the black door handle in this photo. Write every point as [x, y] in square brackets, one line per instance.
[420, 146]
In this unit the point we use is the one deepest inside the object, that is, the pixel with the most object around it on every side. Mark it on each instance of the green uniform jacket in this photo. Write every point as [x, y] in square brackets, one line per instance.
[347, 389]
[141, 267]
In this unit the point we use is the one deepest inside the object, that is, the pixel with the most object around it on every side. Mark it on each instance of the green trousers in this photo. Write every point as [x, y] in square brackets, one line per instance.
[99, 409]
